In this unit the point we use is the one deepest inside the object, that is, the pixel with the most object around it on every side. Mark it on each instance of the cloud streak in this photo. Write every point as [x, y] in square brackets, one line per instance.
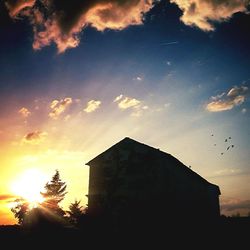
[231, 205]
[203, 13]
[92, 105]
[222, 102]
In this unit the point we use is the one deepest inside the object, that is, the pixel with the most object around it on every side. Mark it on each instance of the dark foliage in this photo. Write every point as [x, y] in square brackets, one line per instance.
[76, 213]
[20, 210]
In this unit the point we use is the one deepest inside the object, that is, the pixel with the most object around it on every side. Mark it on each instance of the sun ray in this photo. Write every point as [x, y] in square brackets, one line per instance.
[29, 185]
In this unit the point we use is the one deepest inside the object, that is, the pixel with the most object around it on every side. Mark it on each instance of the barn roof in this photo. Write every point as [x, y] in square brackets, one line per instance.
[130, 143]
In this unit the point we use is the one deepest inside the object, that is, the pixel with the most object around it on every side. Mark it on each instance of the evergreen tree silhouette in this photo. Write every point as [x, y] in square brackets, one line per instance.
[75, 212]
[54, 193]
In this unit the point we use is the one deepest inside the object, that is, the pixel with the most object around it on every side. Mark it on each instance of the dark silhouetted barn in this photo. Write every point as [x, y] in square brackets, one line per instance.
[134, 182]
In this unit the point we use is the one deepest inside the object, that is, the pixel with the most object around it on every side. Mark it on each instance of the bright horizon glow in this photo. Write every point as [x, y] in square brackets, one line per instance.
[29, 185]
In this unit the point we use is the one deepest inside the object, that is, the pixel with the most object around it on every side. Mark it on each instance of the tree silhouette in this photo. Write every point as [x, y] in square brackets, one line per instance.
[75, 212]
[20, 210]
[46, 213]
[236, 215]
[54, 193]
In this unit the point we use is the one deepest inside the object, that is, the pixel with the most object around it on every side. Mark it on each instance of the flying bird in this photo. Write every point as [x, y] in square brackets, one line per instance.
[228, 147]
[221, 153]
[229, 138]
[226, 140]
[232, 146]
[212, 135]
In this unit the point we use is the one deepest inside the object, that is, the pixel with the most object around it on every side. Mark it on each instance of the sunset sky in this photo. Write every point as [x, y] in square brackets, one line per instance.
[78, 76]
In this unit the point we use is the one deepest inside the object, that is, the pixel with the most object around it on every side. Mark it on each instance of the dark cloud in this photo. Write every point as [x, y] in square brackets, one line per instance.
[34, 137]
[62, 21]
[15, 6]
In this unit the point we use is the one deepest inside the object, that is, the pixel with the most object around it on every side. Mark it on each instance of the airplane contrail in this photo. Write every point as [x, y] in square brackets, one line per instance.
[170, 43]
[161, 44]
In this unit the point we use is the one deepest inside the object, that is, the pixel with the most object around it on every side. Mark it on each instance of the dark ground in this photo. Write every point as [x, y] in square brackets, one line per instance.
[227, 232]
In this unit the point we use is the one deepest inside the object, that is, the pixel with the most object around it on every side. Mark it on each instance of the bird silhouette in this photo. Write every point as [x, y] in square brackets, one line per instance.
[227, 141]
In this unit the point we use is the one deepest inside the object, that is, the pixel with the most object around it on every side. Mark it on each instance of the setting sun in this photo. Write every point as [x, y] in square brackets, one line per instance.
[29, 185]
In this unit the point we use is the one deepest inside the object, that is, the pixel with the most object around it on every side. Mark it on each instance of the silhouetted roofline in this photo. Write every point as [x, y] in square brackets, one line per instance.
[113, 146]
[127, 139]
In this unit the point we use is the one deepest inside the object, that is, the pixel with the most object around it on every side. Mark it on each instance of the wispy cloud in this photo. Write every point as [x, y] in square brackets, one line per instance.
[217, 97]
[138, 110]
[128, 102]
[24, 112]
[92, 106]
[244, 110]
[118, 98]
[222, 102]
[236, 91]
[233, 205]
[138, 78]
[34, 138]
[59, 106]
[125, 102]
[228, 172]
[67, 117]
[167, 105]
[203, 13]
[169, 43]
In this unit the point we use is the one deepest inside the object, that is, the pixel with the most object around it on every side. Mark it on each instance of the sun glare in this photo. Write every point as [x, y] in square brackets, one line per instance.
[29, 185]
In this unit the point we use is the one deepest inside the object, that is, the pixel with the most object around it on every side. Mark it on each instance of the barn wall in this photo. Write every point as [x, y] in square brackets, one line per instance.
[139, 180]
